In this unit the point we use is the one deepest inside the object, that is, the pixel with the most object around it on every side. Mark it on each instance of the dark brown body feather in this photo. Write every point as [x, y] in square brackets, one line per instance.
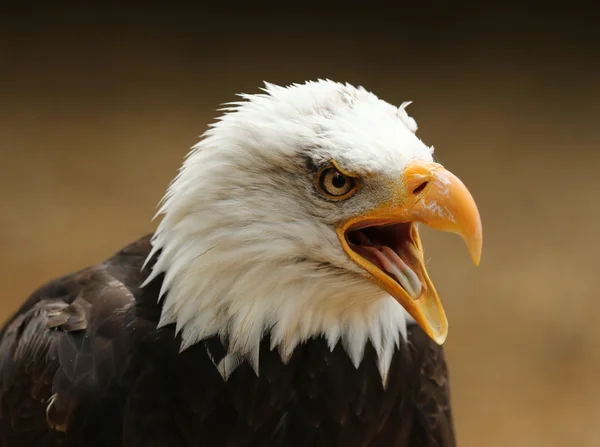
[83, 364]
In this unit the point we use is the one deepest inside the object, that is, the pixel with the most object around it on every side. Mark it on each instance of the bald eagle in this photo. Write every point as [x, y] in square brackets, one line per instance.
[283, 299]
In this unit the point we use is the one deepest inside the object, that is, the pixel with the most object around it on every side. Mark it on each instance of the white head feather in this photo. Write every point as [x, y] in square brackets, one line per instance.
[248, 245]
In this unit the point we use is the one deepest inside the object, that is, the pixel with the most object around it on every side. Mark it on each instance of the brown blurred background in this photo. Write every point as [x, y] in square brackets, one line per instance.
[99, 104]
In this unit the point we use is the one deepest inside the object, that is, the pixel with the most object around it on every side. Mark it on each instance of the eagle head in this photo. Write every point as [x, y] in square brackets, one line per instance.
[296, 216]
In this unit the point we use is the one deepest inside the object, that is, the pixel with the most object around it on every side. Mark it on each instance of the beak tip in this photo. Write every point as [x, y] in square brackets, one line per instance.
[476, 258]
[440, 338]
[475, 244]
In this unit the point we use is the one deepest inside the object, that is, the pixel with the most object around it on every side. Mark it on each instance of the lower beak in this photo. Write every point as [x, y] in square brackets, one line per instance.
[429, 194]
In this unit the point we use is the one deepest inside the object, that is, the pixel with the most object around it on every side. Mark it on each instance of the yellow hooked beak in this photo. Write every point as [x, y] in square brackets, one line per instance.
[385, 241]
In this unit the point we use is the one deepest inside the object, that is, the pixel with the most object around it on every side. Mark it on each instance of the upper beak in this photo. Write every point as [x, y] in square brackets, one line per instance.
[429, 194]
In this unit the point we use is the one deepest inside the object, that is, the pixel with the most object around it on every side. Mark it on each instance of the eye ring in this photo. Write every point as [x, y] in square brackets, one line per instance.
[335, 184]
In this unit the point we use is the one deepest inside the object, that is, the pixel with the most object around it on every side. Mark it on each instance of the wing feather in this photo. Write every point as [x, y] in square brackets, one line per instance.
[61, 351]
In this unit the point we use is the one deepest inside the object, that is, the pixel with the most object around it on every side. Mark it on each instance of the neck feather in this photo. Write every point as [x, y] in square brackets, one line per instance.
[205, 293]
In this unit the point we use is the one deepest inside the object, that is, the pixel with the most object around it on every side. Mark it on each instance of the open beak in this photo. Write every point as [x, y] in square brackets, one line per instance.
[385, 241]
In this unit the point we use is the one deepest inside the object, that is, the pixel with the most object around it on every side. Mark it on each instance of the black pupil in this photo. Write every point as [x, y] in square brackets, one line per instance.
[338, 180]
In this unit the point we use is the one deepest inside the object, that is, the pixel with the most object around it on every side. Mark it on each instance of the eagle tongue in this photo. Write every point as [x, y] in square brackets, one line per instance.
[395, 266]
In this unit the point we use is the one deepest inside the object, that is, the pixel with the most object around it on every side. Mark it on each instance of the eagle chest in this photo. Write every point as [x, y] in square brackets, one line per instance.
[317, 398]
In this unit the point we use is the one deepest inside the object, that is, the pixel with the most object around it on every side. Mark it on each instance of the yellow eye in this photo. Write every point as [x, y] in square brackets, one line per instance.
[336, 185]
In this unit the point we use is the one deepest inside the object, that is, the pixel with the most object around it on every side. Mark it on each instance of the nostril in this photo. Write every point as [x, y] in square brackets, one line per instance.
[420, 188]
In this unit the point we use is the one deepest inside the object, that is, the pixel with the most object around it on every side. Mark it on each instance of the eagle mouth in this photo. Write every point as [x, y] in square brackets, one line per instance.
[389, 250]
[393, 249]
